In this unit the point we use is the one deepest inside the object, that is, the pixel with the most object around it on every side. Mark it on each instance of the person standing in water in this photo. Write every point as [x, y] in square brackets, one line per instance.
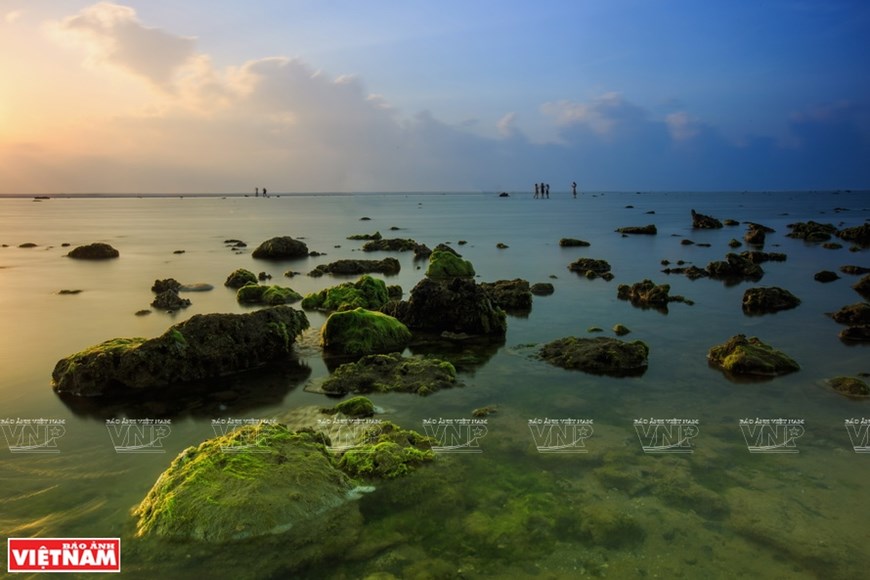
[548, 191]
[574, 189]
[536, 191]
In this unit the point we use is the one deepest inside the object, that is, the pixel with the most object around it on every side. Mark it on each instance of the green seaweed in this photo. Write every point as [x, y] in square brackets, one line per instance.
[389, 373]
[388, 452]
[253, 293]
[362, 331]
[443, 264]
[366, 292]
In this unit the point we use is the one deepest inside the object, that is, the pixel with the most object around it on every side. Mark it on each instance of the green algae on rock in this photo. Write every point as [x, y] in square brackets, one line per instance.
[647, 294]
[592, 268]
[850, 387]
[509, 295]
[443, 264]
[268, 295]
[387, 266]
[205, 346]
[750, 356]
[391, 372]
[770, 299]
[367, 292]
[353, 407]
[366, 237]
[600, 355]
[362, 331]
[387, 452]
[280, 248]
[240, 278]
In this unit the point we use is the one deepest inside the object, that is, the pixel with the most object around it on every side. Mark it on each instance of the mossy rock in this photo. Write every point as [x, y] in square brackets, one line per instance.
[590, 267]
[862, 287]
[95, 251]
[854, 314]
[649, 230]
[542, 289]
[750, 356]
[267, 295]
[647, 294]
[374, 236]
[255, 480]
[850, 387]
[448, 265]
[387, 266]
[353, 407]
[280, 248]
[606, 524]
[600, 355]
[391, 373]
[772, 299]
[367, 292]
[510, 295]
[387, 452]
[240, 278]
[362, 331]
[735, 268]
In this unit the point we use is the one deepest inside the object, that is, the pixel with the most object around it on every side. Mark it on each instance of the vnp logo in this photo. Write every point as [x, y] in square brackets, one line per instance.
[859, 434]
[456, 435]
[33, 435]
[63, 555]
[772, 435]
[138, 435]
[666, 435]
[561, 435]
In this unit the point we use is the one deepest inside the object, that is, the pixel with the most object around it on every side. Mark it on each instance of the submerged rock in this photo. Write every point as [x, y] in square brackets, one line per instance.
[509, 294]
[850, 386]
[383, 373]
[267, 295]
[601, 355]
[388, 452]
[573, 243]
[771, 299]
[170, 300]
[542, 289]
[95, 251]
[691, 272]
[811, 231]
[366, 292]
[704, 222]
[205, 346]
[646, 294]
[750, 356]
[281, 248]
[648, 230]
[825, 276]
[448, 264]
[387, 266]
[735, 268]
[368, 237]
[456, 305]
[239, 278]
[362, 331]
[354, 407]
[855, 314]
[591, 268]
[392, 245]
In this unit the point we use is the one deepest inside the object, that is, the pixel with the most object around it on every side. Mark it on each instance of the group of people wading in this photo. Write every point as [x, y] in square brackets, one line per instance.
[542, 190]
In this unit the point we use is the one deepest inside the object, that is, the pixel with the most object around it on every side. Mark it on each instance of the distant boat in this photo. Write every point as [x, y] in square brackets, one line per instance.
[504, 194]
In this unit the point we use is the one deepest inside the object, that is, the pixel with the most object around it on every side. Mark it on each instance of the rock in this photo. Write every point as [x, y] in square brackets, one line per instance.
[853, 315]
[362, 331]
[240, 278]
[263, 276]
[446, 248]
[394, 292]
[825, 276]
[142, 312]
[354, 407]
[95, 251]
[281, 248]
[855, 334]
[754, 236]
[504, 194]
[854, 270]
[392, 245]
[196, 287]
[601, 355]
[730, 222]
[734, 243]
[509, 294]
[456, 305]
[704, 222]
[862, 287]
[384, 373]
[445, 265]
[367, 292]
[692, 272]
[161, 286]
[649, 230]
[542, 289]
[170, 300]
[620, 330]
[486, 411]
[750, 356]
[757, 257]
[288, 484]
[374, 236]
[179, 251]
[205, 346]
[860, 235]
[850, 386]
[762, 227]
[687, 242]
[647, 294]
[770, 299]
[502, 246]
[266, 295]
[832, 246]
[590, 267]
[594, 329]
[388, 452]
[811, 231]
[387, 266]
[573, 243]
[735, 268]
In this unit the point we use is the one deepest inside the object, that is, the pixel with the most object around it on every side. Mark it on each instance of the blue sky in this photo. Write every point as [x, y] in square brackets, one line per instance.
[429, 96]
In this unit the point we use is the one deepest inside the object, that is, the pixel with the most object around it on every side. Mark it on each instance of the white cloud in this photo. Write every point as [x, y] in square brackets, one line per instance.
[507, 125]
[603, 115]
[682, 127]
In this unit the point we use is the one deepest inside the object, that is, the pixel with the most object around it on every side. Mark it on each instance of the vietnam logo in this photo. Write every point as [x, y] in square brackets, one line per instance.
[63, 555]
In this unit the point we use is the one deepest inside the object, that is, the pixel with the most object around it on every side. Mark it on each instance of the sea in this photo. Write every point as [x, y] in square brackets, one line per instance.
[680, 472]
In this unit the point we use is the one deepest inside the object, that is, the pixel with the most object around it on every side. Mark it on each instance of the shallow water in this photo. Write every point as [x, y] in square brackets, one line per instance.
[510, 510]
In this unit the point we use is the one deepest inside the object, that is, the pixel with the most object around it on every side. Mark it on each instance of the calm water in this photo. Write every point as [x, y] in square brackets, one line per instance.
[511, 510]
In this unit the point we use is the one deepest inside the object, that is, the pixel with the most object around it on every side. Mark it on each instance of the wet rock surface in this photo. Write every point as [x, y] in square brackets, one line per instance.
[600, 355]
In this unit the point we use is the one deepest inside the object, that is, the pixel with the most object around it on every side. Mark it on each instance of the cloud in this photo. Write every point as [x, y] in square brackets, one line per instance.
[113, 34]
[681, 126]
[13, 16]
[507, 125]
[604, 115]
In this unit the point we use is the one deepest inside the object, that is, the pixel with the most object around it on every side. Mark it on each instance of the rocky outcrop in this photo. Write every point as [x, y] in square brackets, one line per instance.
[95, 251]
[850, 387]
[395, 245]
[542, 289]
[691, 272]
[367, 237]
[266, 295]
[387, 266]
[758, 257]
[205, 346]
[281, 248]
[164, 285]
[361, 331]
[170, 300]
[648, 230]
[647, 294]
[750, 356]
[448, 264]
[811, 231]
[456, 305]
[862, 287]
[860, 235]
[601, 355]
[704, 222]
[770, 299]
[591, 268]
[240, 278]
[386, 373]
[735, 268]
[825, 276]
[854, 315]
[573, 243]
[755, 236]
[509, 295]
[855, 334]
[854, 270]
[367, 292]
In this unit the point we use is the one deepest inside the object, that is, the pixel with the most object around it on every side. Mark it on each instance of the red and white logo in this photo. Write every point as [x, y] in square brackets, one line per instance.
[64, 555]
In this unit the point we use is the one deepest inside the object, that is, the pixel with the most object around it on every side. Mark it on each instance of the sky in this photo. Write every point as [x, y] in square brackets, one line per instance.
[221, 96]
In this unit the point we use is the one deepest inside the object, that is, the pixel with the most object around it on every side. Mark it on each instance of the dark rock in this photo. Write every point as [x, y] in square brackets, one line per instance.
[509, 294]
[825, 276]
[572, 243]
[387, 266]
[391, 373]
[502, 246]
[240, 278]
[266, 295]
[67, 292]
[281, 248]
[647, 294]
[811, 231]
[161, 286]
[754, 236]
[391, 245]
[648, 230]
[750, 356]
[730, 222]
[374, 236]
[486, 411]
[762, 227]
[691, 272]
[263, 276]
[832, 246]
[853, 315]
[542, 289]
[850, 387]
[170, 300]
[96, 251]
[205, 346]
[620, 330]
[446, 248]
[734, 243]
[365, 219]
[455, 305]
[862, 287]
[235, 242]
[601, 355]
[854, 270]
[504, 194]
[27, 245]
[143, 312]
[735, 268]
[361, 331]
[772, 299]
[860, 235]
[687, 242]
[757, 257]
[705, 222]
[855, 334]
[590, 267]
